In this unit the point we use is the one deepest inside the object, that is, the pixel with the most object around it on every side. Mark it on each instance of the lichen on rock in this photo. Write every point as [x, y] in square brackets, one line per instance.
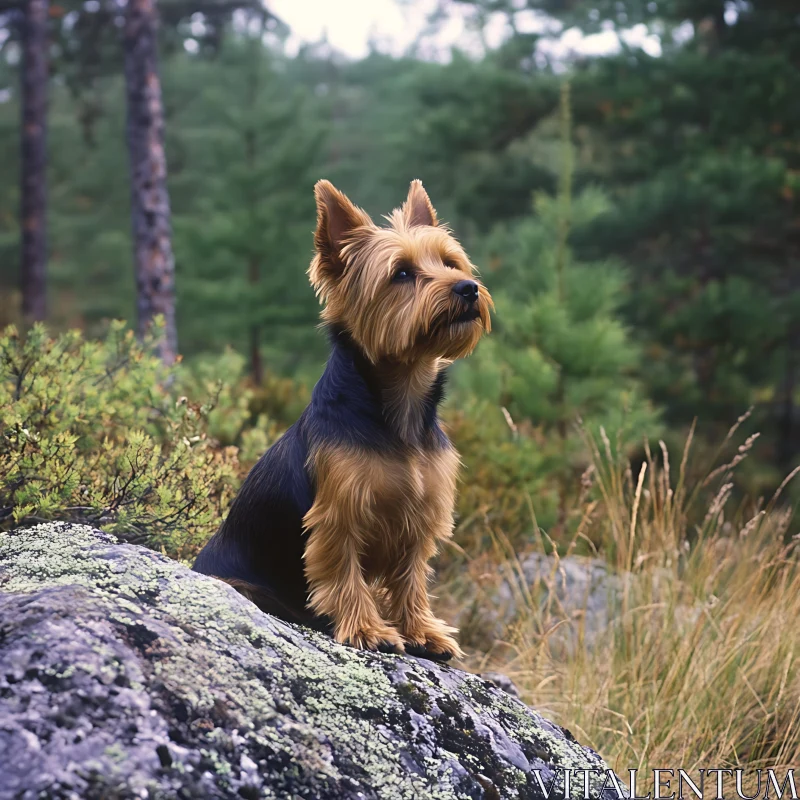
[123, 674]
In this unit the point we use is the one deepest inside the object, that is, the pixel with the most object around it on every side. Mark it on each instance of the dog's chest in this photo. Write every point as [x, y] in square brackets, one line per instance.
[407, 491]
[388, 502]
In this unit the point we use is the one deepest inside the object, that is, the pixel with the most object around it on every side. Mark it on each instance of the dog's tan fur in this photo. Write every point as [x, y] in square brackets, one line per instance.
[375, 524]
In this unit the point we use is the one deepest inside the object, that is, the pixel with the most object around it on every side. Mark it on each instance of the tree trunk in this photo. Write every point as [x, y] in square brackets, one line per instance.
[253, 269]
[34, 162]
[256, 362]
[150, 211]
[787, 433]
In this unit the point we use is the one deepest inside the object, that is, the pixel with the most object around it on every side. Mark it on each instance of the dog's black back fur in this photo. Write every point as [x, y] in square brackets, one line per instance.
[261, 542]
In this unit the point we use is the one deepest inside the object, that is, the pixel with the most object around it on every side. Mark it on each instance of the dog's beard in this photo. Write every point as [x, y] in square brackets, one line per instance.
[454, 317]
[456, 332]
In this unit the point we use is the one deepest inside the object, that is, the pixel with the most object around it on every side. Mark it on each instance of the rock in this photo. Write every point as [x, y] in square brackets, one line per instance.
[125, 675]
[501, 682]
[579, 590]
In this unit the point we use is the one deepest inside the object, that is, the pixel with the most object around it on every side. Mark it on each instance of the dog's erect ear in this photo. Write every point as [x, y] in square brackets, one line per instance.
[337, 219]
[418, 209]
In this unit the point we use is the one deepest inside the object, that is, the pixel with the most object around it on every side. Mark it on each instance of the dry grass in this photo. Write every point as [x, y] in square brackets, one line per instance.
[699, 666]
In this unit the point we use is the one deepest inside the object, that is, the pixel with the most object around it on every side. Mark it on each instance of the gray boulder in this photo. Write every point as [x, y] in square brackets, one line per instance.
[541, 590]
[125, 675]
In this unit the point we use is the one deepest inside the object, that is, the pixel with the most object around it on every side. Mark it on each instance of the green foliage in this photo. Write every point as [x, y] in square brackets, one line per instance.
[553, 329]
[505, 483]
[90, 431]
[240, 413]
[697, 151]
[243, 233]
[559, 353]
[455, 126]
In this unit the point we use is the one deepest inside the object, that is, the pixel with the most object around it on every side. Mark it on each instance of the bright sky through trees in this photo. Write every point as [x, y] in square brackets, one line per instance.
[351, 25]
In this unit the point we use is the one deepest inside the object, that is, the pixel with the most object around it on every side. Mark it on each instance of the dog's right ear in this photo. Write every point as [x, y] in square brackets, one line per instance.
[338, 222]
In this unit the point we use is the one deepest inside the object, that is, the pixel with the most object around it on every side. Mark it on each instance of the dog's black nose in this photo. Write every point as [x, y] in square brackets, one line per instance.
[468, 290]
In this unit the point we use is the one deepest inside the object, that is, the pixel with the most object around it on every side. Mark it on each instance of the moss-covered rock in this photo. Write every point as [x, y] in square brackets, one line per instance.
[123, 674]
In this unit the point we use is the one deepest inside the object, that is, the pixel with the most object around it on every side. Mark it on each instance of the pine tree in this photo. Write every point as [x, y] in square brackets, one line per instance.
[560, 352]
[697, 149]
[243, 233]
[700, 153]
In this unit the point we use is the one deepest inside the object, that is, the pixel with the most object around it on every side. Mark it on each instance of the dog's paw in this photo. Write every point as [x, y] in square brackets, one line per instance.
[434, 644]
[420, 651]
[383, 639]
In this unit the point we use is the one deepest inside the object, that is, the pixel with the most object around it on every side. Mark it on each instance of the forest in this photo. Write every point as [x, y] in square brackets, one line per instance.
[636, 216]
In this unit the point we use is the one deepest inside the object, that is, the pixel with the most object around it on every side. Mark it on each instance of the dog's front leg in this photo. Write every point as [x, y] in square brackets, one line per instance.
[338, 590]
[338, 523]
[409, 604]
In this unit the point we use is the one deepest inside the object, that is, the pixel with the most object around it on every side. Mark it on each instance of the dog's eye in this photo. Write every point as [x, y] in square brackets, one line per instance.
[450, 263]
[403, 273]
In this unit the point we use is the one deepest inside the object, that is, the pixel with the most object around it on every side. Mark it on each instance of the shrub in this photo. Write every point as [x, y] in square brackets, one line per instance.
[504, 472]
[99, 431]
[242, 414]
[518, 478]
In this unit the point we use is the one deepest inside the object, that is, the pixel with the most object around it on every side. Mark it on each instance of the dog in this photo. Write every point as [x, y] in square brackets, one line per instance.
[335, 526]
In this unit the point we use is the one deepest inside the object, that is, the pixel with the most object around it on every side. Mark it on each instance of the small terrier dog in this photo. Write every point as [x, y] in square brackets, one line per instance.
[336, 523]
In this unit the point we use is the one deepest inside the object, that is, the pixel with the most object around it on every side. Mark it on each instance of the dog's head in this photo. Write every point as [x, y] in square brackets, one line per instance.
[405, 291]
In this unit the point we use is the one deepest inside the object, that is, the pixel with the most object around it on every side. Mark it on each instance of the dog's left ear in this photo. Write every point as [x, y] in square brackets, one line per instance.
[418, 209]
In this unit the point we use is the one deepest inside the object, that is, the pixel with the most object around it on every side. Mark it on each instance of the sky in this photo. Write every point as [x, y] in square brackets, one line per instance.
[350, 26]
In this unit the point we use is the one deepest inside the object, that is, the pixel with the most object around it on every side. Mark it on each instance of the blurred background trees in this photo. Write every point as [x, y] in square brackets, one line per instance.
[645, 255]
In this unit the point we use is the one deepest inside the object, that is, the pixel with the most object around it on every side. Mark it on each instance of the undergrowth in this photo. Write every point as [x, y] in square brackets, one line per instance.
[696, 664]
[694, 660]
[101, 432]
